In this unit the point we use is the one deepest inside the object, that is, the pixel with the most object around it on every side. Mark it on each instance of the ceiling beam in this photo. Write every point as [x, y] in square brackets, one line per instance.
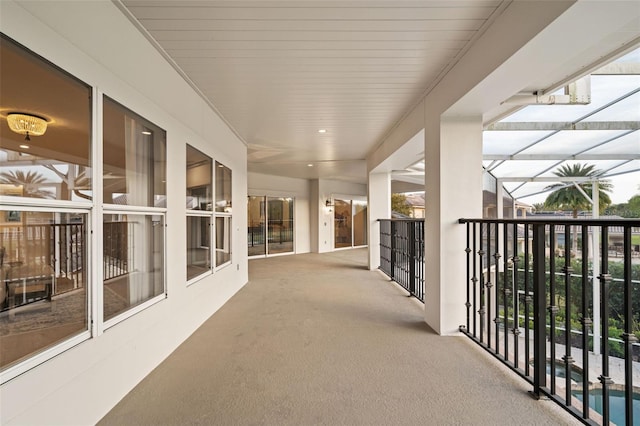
[563, 125]
[618, 68]
[542, 157]
[550, 179]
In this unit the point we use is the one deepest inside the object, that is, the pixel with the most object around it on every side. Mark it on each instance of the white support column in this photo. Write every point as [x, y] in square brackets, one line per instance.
[379, 207]
[499, 199]
[453, 185]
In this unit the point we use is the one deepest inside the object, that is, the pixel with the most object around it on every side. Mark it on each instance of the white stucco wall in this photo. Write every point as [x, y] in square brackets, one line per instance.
[93, 41]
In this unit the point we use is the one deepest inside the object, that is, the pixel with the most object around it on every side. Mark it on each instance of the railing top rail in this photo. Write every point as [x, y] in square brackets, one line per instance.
[634, 223]
[403, 220]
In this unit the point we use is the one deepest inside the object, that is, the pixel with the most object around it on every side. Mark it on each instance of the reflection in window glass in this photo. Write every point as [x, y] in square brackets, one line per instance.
[43, 271]
[199, 175]
[134, 159]
[256, 226]
[342, 223]
[133, 263]
[359, 223]
[223, 240]
[280, 229]
[223, 188]
[56, 164]
[198, 245]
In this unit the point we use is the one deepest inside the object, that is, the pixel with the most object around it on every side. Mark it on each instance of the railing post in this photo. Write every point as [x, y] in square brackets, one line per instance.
[605, 280]
[412, 258]
[468, 303]
[628, 336]
[539, 311]
[393, 250]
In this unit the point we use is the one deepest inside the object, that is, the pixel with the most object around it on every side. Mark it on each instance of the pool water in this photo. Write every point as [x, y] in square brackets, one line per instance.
[616, 397]
[616, 405]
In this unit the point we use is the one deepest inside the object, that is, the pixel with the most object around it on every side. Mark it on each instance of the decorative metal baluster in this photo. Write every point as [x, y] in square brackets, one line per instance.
[481, 311]
[516, 300]
[605, 279]
[553, 308]
[586, 322]
[527, 300]
[468, 303]
[628, 336]
[474, 280]
[505, 291]
[488, 284]
[567, 270]
[539, 311]
[497, 256]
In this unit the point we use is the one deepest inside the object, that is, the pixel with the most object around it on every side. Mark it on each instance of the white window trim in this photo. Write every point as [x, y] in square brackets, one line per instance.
[209, 214]
[145, 211]
[34, 359]
[135, 310]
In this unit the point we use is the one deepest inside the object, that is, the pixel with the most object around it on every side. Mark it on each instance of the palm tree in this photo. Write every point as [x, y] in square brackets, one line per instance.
[30, 182]
[569, 197]
[538, 207]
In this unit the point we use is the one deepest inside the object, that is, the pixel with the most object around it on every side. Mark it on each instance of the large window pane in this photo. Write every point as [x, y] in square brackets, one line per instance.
[223, 240]
[133, 265]
[359, 223]
[342, 223]
[280, 230]
[199, 177]
[134, 158]
[256, 226]
[223, 188]
[198, 245]
[43, 280]
[54, 165]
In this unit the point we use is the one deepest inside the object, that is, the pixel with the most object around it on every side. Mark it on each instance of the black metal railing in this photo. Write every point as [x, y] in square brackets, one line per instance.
[562, 315]
[115, 246]
[402, 253]
[278, 232]
[39, 261]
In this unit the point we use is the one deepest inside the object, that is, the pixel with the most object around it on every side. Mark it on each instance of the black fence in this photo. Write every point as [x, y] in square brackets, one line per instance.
[562, 315]
[402, 253]
[38, 261]
[115, 246]
[278, 232]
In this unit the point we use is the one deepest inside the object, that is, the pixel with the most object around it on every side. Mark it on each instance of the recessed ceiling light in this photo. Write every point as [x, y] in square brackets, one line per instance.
[309, 165]
[23, 146]
[146, 132]
[322, 131]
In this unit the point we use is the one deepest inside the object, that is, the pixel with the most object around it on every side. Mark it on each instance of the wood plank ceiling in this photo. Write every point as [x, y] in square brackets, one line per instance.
[279, 71]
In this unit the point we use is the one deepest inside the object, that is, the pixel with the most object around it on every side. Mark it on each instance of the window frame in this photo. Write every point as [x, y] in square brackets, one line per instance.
[139, 210]
[36, 358]
[190, 213]
[145, 211]
[226, 215]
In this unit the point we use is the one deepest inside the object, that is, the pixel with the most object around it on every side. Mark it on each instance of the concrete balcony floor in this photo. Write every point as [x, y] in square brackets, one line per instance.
[318, 339]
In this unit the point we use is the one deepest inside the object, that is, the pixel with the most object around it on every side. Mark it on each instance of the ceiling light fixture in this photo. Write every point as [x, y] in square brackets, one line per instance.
[309, 165]
[23, 146]
[27, 124]
[322, 131]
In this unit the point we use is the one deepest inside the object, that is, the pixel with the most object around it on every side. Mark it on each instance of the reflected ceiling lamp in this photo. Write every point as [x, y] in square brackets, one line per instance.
[27, 124]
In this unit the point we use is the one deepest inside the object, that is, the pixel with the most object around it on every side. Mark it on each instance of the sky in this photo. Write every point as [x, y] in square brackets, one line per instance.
[614, 98]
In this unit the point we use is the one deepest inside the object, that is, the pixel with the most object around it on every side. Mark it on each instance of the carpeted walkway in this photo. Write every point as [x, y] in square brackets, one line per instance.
[317, 339]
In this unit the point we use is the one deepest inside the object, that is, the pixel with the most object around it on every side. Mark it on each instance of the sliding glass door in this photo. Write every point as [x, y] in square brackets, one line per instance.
[349, 223]
[270, 225]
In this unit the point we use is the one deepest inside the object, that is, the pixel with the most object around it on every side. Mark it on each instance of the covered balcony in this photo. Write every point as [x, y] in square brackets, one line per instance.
[320, 339]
